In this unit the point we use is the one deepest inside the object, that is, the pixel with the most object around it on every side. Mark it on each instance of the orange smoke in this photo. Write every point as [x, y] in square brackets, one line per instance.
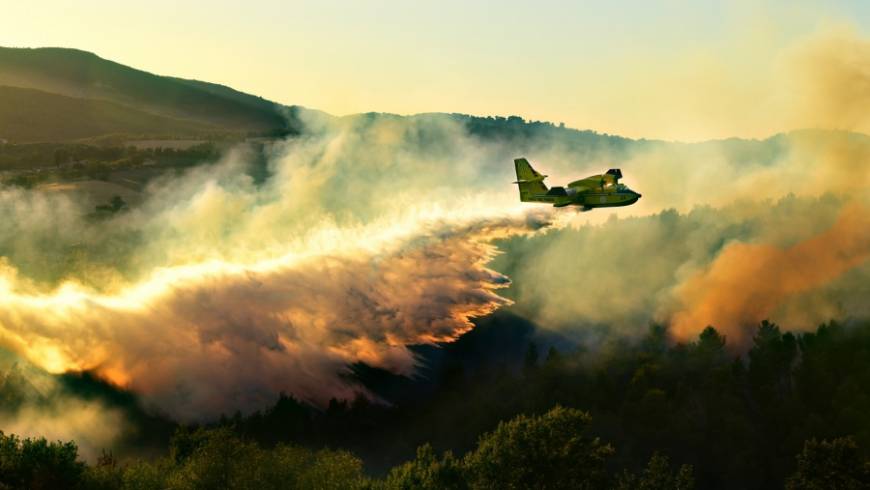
[747, 282]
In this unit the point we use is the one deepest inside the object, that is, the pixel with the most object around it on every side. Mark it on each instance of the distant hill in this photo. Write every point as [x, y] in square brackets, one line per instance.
[60, 95]
[28, 115]
[84, 75]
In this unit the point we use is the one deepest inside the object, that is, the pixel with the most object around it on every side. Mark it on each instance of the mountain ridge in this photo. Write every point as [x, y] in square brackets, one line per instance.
[84, 75]
[33, 116]
[196, 108]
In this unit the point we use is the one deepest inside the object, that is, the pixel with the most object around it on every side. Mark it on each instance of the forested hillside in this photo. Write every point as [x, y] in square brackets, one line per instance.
[650, 414]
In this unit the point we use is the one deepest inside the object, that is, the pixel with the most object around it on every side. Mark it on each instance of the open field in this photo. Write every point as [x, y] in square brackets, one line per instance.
[172, 144]
[94, 192]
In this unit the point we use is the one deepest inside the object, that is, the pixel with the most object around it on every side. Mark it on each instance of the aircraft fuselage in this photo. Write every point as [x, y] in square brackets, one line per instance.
[597, 191]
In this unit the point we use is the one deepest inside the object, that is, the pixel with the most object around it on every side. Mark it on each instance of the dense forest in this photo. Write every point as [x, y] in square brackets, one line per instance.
[495, 410]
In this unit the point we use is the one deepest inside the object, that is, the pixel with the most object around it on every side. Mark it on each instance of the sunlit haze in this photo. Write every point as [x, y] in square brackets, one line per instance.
[395, 244]
[680, 70]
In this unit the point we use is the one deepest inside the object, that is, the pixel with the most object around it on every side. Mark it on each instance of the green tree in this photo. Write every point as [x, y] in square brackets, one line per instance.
[658, 476]
[106, 474]
[428, 472]
[142, 475]
[830, 465]
[117, 203]
[711, 344]
[284, 466]
[334, 470]
[771, 361]
[218, 459]
[38, 464]
[547, 451]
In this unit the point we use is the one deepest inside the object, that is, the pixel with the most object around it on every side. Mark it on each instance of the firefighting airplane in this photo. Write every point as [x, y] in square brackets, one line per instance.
[597, 191]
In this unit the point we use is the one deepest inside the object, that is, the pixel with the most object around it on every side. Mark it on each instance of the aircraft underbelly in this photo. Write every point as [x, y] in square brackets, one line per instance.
[607, 200]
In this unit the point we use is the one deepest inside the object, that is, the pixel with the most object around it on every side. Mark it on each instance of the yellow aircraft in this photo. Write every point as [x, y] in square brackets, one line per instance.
[597, 191]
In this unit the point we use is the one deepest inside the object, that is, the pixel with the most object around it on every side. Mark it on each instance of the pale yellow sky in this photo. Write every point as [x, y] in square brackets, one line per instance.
[674, 69]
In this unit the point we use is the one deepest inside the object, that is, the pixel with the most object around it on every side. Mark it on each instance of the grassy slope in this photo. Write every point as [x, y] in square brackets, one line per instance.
[28, 115]
[81, 74]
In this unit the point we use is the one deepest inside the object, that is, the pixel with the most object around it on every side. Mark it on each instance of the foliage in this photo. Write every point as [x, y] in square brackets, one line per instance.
[547, 451]
[218, 459]
[657, 476]
[428, 472]
[830, 465]
[550, 451]
[728, 421]
[737, 420]
[70, 161]
[38, 464]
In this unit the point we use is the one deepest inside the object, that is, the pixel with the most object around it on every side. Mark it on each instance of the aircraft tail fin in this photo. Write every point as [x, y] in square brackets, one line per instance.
[531, 182]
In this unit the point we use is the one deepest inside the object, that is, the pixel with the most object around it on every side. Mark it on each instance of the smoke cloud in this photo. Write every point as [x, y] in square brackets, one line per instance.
[831, 80]
[750, 229]
[215, 293]
[36, 405]
[376, 232]
[747, 282]
[288, 324]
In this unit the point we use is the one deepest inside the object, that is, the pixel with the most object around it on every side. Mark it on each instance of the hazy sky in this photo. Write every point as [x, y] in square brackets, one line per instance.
[672, 69]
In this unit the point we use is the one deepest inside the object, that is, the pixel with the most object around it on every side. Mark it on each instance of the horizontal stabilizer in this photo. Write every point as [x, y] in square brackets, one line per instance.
[539, 178]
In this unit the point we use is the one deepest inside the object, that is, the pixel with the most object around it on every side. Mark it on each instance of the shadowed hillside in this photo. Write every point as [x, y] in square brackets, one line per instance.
[81, 74]
[28, 115]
